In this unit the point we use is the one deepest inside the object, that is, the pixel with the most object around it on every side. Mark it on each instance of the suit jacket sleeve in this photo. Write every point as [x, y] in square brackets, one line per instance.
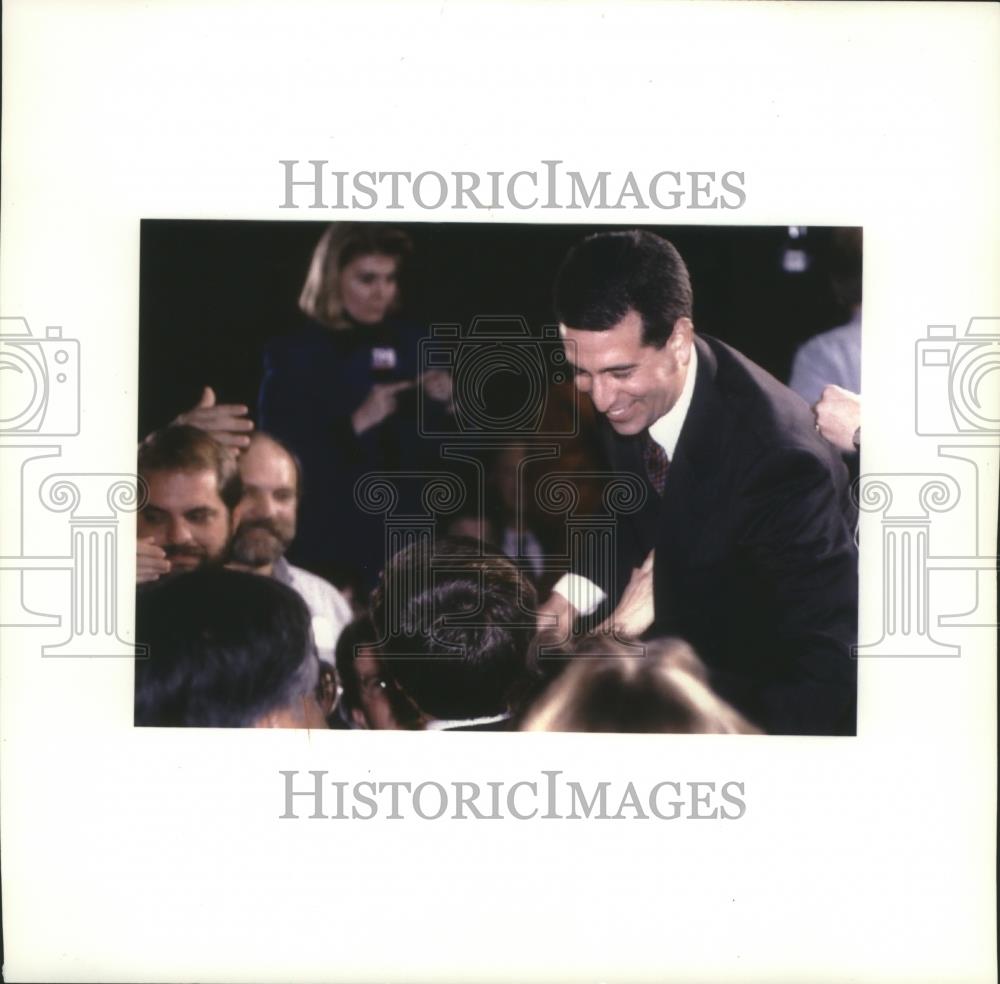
[800, 567]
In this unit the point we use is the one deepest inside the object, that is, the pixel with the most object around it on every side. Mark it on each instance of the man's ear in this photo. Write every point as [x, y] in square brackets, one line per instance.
[681, 339]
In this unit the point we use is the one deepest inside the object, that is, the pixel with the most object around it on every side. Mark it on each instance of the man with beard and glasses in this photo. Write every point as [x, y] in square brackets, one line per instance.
[191, 486]
[265, 520]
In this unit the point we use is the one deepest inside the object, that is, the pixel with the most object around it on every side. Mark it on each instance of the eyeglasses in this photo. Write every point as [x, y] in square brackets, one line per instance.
[371, 685]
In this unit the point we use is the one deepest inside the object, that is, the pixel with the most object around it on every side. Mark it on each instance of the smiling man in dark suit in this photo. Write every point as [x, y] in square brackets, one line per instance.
[748, 515]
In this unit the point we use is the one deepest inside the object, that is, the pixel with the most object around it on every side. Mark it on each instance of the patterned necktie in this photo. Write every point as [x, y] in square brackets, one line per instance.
[656, 461]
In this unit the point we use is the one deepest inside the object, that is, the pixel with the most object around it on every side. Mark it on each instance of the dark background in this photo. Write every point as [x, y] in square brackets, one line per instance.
[212, 292]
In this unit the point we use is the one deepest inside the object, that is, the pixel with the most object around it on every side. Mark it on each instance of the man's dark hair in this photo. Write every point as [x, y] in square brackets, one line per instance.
[454, 627]
[610, 273]
[183, 448]
[226, 648]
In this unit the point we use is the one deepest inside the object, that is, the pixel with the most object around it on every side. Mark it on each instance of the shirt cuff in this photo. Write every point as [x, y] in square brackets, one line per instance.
[580, 592]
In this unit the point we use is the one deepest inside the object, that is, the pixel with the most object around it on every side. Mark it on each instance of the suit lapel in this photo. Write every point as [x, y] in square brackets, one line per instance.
[696, 479]
[696, 476]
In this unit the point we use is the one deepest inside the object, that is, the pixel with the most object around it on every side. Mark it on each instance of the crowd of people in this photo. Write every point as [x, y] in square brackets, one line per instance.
[729, 604]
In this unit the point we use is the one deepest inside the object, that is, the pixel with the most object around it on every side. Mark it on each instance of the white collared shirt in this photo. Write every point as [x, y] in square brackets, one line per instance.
[438, 725]
[666, 430]
[833, 356]
[328, 607]
[580, 591]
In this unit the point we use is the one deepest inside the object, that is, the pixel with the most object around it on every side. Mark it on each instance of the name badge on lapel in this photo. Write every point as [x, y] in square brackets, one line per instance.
[383, 359]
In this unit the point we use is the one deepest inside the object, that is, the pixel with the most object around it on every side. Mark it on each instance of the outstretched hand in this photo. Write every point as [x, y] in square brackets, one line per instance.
[228, 423]
[382, 401]
[635, 611]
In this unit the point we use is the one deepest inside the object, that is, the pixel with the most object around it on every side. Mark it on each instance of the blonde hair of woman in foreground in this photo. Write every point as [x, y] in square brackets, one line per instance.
[608, 689]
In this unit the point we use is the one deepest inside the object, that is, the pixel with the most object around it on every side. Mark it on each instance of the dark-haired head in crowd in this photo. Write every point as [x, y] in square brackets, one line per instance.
[369, 699]
[606, 688]
[454, 629]
[227, 649]
[192, 486]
